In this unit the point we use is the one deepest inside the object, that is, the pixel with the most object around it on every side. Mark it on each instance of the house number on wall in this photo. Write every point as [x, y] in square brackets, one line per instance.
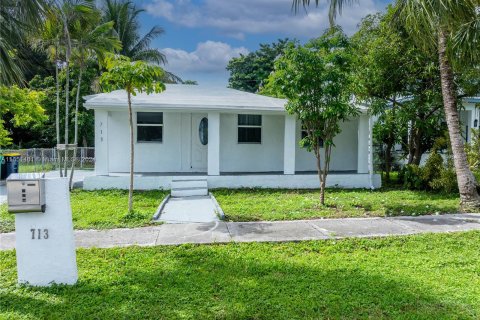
[39, 234]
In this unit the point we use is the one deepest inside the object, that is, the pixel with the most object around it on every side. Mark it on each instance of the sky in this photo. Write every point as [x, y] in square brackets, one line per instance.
[201, 36]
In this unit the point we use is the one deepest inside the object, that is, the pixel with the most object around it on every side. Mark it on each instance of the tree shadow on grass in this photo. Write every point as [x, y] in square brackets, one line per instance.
[230, 282]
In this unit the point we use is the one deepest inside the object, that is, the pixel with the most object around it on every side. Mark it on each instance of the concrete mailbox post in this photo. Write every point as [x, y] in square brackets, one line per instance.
[45, 245]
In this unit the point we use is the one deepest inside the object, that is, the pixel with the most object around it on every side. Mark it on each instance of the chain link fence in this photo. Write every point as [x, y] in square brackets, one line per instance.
[46, 159]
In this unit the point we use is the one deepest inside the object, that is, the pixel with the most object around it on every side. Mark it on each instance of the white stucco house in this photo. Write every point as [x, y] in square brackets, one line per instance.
[227, 137]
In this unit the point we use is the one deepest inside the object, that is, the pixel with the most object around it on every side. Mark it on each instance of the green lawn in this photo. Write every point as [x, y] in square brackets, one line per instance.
[270, 204]
[434, 276]
[103, 209]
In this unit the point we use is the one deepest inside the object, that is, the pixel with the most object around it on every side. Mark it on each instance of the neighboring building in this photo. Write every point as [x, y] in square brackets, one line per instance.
[470, 116]
[228, 137]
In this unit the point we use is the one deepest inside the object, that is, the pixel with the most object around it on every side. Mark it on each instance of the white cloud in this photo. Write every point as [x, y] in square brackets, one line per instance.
[239, 17]
[208, 57]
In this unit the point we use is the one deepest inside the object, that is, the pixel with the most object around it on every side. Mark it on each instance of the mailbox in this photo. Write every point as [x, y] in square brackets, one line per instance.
[26, 192]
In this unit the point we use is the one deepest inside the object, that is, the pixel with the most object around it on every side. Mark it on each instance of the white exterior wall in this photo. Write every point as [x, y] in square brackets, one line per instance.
[264, 157]
[344, 154]
[101, 142]
[173, 154]
[289, 181]
[149, 157]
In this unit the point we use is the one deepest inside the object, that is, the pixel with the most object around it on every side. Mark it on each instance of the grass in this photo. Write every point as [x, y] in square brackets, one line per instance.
[434, 276]
[26, 168]
[103, 209]
[273, 204]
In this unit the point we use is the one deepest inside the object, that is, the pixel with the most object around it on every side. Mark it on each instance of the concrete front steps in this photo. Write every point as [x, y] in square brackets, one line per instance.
[189, 187]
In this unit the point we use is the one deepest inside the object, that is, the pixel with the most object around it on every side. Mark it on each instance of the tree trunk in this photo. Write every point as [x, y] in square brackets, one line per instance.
[68, 53]
[75, 140]
[132, 153]
[466, 181]
[319, 172]
[388, 161]
[57, 117]
[417, 146]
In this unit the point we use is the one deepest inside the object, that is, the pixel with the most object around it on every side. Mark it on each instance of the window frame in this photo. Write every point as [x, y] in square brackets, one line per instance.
[161, 125]
[249, 126]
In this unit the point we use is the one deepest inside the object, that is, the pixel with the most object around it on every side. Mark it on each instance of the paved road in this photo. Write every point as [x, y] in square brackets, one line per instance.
[222, 232]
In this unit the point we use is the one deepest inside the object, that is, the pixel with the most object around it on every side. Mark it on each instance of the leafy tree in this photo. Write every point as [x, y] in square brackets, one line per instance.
[248, 72]
[92, 39]
[315, 79]
[49, 40]
[133, 77]
[401, 83]
[18, 19]
[450, 29]
[22, 107]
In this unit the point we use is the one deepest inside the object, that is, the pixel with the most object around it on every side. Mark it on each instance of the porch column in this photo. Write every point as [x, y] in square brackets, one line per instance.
[363, 151]
[213, 143]
[101, 142]
[289, 143]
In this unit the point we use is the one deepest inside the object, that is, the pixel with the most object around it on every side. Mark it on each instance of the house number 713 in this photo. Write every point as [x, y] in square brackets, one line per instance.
[39, 234]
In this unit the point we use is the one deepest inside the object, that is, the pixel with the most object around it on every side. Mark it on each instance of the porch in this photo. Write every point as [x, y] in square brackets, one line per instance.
[299, 180]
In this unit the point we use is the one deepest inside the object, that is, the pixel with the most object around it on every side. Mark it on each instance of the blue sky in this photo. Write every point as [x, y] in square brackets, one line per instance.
[202, 35]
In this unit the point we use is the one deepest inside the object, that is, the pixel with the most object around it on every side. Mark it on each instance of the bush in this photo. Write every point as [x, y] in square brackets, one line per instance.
[436, 174]
[412, 177]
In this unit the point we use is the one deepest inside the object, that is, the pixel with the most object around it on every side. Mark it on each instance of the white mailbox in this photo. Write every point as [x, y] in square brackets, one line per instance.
[44, 242]
[26, 192]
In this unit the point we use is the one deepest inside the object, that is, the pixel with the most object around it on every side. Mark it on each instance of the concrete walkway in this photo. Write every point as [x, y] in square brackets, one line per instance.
[189, 210]
[222, 232]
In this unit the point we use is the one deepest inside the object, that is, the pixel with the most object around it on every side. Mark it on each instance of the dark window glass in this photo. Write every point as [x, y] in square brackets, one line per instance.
[304, 135]
[149, 133]
[249, 135]
[203, 131]
[249, 120]
[149, 117]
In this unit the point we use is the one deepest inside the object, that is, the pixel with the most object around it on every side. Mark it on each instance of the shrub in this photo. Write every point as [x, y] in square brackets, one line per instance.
[411, 176]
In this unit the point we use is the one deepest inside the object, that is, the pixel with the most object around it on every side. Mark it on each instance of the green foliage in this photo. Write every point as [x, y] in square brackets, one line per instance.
[18, 19]
[430, 276]
[133, 77]
[126, 22]
[274, 204]
[248, 72]
[316, 81]
[388, 67]
[437, 174]
[22, 107]
[473, 150]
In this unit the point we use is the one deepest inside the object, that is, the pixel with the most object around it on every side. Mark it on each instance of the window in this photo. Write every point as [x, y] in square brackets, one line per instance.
[305, 134]
[249, 128]
[149, 126]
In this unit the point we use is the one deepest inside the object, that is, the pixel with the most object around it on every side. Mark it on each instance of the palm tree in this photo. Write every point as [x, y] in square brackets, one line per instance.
[91, 37]
[71, 12]
[49, 40]
[125, 16]
[452, 29]
[17, 19]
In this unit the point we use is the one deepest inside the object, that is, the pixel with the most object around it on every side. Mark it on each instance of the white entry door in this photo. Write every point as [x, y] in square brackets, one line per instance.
[199, 154]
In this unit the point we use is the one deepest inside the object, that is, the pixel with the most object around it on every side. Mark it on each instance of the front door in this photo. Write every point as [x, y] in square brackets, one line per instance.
[199, 154]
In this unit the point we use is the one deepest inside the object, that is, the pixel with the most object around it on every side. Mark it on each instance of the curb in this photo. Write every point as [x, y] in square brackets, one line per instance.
[218, 209]
[157, 213]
